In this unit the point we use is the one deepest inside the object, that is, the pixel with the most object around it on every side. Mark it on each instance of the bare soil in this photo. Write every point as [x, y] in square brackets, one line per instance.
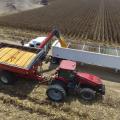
[15, 6]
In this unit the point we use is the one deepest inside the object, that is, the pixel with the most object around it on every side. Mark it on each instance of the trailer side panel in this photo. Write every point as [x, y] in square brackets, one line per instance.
[87, 57]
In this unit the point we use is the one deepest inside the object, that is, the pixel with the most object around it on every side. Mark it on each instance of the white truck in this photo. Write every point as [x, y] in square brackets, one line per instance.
[85, 53]
[36, 43]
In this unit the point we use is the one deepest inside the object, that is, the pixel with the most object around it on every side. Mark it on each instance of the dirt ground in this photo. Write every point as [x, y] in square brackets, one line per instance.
[15, 6]
[26, 99]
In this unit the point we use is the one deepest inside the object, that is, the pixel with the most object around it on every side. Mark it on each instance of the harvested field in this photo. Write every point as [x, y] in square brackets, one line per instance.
[83, 20]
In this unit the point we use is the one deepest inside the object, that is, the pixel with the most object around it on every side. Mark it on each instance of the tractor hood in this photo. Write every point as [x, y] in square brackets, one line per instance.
[89, 78]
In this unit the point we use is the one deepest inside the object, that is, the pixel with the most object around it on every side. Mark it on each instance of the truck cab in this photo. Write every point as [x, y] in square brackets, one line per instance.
[35, 43]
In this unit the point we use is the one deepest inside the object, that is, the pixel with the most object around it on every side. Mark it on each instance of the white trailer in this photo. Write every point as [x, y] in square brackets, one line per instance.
[84, 53]
[95, 55]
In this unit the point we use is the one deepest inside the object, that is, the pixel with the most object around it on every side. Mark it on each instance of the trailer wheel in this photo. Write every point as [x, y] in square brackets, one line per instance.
[87, 94]
[7, 77]
[56, 93]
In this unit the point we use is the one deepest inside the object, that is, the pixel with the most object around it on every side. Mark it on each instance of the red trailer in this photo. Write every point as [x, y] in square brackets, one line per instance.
[22, 61]
[19, 61]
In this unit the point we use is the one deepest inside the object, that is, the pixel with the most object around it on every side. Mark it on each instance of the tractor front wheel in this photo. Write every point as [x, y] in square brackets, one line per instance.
[56, 93]
[87, 94]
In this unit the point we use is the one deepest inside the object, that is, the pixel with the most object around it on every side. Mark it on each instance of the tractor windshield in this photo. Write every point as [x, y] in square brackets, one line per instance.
[66, 74]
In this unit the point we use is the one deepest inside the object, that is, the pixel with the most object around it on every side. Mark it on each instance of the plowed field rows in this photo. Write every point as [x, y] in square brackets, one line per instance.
[87, 20]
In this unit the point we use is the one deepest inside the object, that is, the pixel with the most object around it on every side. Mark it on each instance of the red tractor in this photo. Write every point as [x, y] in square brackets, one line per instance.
[67, 80]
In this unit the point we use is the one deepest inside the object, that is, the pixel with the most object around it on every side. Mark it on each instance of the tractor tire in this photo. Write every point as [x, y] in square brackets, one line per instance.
[7, 77]
[56, 93]
[87, 94]
[58, 82]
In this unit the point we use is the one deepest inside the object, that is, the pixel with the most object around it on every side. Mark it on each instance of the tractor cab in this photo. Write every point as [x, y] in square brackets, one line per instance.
[66, 70]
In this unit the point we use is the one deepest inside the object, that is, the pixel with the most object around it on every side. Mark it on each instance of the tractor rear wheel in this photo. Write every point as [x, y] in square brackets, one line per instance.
[56, 93]
[7, 77]
[87, 94]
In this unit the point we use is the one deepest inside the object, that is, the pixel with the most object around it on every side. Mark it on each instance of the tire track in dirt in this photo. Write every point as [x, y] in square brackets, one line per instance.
[34, 105]
[31, 107]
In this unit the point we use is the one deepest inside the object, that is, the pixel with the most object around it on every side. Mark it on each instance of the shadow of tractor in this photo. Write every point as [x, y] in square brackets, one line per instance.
[20, 89]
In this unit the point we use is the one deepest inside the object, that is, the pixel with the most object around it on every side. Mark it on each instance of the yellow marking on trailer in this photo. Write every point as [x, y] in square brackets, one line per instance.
[8, 57]
[1, 49]
[16, 56]
[4, 52]
[13, 57]
[24, 59]
[29, 60]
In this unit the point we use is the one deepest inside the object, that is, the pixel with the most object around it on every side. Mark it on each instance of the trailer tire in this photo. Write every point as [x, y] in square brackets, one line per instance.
[7, 77]
[87, 94]
[56, 93]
